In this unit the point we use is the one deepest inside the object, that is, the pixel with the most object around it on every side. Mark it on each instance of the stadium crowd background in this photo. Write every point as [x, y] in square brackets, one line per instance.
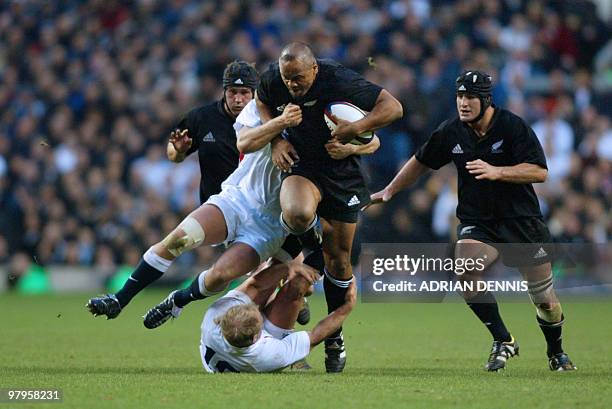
[89, 91]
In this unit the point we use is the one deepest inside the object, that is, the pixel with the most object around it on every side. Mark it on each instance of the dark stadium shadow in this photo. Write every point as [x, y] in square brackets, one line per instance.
[103, 370]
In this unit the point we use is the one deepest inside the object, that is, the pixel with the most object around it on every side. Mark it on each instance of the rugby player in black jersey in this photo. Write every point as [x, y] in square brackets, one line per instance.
[315, 183]
[209, 129]
[498, 157]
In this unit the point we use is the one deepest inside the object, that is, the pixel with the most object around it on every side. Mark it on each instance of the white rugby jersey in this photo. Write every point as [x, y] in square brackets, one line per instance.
[267, 354]
[256, 175]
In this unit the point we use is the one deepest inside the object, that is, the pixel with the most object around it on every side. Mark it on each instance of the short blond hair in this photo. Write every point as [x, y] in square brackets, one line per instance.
[241, 324]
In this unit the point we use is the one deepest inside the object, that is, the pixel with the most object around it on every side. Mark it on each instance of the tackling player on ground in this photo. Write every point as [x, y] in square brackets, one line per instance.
[315, 183]
[244, 331]
[498, 157]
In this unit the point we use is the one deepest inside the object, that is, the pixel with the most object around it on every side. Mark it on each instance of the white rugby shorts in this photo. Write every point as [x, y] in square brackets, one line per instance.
[253, 225]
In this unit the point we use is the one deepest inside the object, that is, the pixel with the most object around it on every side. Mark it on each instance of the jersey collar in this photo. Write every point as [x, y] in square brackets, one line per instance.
[494, 119]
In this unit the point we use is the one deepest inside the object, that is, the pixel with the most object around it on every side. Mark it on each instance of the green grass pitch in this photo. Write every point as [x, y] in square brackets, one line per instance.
[399, 355]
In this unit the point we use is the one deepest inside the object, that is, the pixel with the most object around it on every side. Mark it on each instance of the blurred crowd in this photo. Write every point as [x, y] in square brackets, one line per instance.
[90, 89]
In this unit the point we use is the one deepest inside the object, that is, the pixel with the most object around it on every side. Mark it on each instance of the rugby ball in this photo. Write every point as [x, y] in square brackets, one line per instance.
[348, 112]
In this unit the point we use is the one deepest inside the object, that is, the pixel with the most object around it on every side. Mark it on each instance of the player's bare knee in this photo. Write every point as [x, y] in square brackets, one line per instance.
[297, 217]
[469, 277]
[545, 300]
[545, 306]
[549, 311]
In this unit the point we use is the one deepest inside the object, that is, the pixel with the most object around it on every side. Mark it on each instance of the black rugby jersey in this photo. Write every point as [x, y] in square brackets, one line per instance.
[212, 132]
[334, 82]
[508, 142]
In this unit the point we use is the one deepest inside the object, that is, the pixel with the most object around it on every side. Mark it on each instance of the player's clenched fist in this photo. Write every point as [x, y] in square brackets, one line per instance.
[292, 115]
[284, 155]
[181, 140]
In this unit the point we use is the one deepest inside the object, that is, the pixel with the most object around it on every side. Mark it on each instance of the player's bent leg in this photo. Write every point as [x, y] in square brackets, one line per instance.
[484, 305]
[205, 225]
[299, 198]
[284, 310]
[549, 313]
[541, 292]
[470, 249]
[338, 274]
[235, 262]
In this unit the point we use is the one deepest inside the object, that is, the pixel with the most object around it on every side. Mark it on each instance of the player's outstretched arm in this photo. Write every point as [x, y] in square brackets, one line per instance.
[408, 174]
[334, 320]
[252, 139]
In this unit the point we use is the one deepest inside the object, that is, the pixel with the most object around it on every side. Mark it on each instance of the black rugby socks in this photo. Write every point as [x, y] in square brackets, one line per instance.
[485, 307]
[150, 268]
[189, 294]
[552, 333]
[335, 292]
